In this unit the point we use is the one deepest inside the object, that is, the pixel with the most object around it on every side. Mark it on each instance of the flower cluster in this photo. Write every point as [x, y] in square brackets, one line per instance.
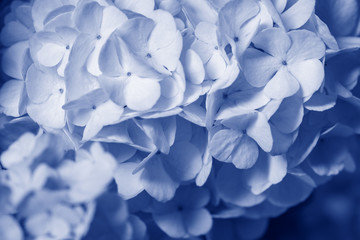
[161, 119]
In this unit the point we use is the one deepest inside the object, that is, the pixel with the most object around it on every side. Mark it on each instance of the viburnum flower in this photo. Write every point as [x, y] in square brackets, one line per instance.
[285, 63]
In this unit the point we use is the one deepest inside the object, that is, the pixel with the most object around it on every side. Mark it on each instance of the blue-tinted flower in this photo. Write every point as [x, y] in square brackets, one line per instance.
[184, 216]
[285, 63]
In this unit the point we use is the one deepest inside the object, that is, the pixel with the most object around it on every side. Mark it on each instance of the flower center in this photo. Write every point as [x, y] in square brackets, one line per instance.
[148, 55]
[128, 74]
[61, 91]
[98, 37]
[284, 63]
[93, 107]
[236, 39]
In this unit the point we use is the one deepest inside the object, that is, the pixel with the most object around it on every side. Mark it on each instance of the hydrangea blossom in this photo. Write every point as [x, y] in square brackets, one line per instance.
[172, 119]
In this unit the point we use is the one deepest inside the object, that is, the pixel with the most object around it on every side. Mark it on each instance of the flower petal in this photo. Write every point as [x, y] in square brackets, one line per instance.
[51, 54]
[193, 67]
[128, 184]
[171, 223]
[259, 67]
[141, 94]
[292, 190]
[16, 60]
[216, 66]
[298, 14]
[197, 221]
[88, 17]
[261, 133]
[49, 113]
[245, 153]
[273, 41]
[305, 45]
[223, 143]
[157, 182]
[10, 228]
[12, 95]
[230, 178]
[183, 162]
[282, 85]
[289, 115]
[310, 75]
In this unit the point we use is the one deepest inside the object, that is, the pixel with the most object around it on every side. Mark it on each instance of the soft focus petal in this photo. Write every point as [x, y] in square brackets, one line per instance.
[294, 189]
[10, 228]
[171, 223]
[197, 221]
[12, 96]
[129, 184]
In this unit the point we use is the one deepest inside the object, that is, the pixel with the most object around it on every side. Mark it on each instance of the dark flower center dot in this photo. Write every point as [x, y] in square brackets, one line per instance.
[284, 63]
[148, 55]
[236, 39]
[61, 91]
[216, 48]
[98, 37]
[93, 107]
[244, 131]
[128, 74]
[67, 47]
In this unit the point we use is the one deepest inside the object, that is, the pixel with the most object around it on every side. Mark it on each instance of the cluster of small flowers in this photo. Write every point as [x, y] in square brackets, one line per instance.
[160, 119]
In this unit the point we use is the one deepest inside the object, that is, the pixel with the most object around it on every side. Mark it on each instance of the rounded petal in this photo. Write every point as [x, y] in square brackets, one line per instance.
[310, 75]
[88, 17]
[305, 45]
[141, 94]
[129, 184]
[171, 223]
[40, 85]
[183, 162]
[12, 97]
[273, 41]
[51, 54]
[298, 14]
[14, 32]
[197, 221]
[49, 113]
[231, 186]
[157, 181]
[223, 143]
[289, 115]
[282, 85]
[292, 190]
[10, 228]
[16, 60]
[259, 67]
[193, 67]
[260, 131]
[245, 153]
[216, 66]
